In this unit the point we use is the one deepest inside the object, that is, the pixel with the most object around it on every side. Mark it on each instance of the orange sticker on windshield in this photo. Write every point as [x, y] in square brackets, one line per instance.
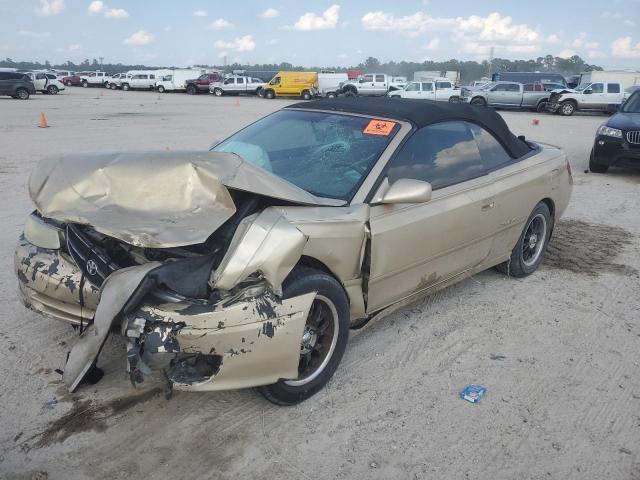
[379, 127]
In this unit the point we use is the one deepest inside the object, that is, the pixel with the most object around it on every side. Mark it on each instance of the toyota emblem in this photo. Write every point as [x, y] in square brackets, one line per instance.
[92, 268]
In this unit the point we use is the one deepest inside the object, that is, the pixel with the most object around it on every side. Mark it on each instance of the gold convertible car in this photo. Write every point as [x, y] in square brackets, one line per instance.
[246, 265]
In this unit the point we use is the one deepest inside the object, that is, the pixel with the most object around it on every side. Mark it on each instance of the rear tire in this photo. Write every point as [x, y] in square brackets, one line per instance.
[22, 94]
[528, 252]
[306, 95]
[542, 107]
[325, 339]
[84, 84]
[596, 167]
[52, 90]
[67, 83]
[454, 100]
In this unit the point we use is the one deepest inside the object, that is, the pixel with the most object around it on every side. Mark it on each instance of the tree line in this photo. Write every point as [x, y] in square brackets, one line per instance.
[469, 69]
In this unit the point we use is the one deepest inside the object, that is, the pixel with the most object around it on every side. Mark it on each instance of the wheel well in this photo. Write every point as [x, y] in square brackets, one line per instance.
[317, 264]
[552, 209]
[478, 97]
[570, 100]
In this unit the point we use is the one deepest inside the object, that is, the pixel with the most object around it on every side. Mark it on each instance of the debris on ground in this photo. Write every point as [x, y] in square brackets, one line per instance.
[473, 393]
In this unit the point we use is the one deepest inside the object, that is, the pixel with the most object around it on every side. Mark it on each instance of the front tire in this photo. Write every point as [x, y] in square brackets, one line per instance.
[67, 83]
[479, 102]
[191, 90]
[217, 92]
[528, 252]
[567, 108]
[160, 89]
[324, 340]
[270, 94]
[596, 167]
[306, 95]
[84, 84]
[125, 87]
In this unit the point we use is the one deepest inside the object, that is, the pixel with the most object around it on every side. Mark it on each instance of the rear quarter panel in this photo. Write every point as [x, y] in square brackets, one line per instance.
[521, 186]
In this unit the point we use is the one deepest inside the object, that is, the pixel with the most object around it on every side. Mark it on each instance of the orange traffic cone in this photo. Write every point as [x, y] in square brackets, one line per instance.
[237, 102]
[43, 121]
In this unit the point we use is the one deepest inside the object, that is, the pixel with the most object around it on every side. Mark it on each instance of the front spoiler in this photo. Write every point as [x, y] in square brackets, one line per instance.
[255, 341]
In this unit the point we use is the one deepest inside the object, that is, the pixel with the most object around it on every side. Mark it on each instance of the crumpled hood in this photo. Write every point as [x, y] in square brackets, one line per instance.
[153, 199]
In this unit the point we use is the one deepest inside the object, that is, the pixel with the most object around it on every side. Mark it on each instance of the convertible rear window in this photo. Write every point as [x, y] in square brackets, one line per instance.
[326, 154]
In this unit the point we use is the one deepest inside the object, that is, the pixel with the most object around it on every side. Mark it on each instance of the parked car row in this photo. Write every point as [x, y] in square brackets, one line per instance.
[605, 96]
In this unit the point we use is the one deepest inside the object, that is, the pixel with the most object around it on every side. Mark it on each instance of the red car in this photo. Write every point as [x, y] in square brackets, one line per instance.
[201, 84]
[72, 80]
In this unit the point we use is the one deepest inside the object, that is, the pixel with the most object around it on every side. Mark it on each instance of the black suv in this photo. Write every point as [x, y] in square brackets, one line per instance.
[16, 85]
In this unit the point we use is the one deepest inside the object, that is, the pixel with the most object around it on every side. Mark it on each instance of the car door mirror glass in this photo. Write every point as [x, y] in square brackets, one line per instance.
[407, 190]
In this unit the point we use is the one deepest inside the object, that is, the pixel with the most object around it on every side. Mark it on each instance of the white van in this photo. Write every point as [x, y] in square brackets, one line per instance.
[329, 83]
[174, 80]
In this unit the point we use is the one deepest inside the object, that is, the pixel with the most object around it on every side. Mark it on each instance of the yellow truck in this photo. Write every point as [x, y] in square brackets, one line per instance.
[292, 84]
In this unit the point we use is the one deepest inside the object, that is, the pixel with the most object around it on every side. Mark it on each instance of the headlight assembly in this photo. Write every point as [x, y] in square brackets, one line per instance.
[37, 232]
[609, 132]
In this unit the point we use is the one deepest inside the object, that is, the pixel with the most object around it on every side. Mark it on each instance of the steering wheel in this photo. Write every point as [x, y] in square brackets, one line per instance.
[335, 147]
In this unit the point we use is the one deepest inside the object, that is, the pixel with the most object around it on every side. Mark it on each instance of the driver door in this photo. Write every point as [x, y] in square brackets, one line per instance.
[413, 90]
[416, 247]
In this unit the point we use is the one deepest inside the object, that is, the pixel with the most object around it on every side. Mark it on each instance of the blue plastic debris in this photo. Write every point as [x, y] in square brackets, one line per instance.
[473, 393]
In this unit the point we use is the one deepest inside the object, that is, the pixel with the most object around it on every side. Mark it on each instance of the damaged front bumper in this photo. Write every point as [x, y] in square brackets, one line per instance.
[195, 345]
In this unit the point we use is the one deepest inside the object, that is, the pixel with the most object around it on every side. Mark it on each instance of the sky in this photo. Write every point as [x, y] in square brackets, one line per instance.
[316, 32]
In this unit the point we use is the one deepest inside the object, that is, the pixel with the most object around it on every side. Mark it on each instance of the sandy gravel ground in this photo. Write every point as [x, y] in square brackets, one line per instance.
[558, 351]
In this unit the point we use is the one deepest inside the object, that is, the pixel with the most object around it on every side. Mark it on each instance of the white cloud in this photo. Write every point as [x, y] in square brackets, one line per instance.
[493, 28]
[221, 23]
[624, 47]
[553, 39]
[116, 13]
[433, 44]
[311, 21]
[270, 13]
[566, 53]
[30, 34]
[342, 55]
[629, 23]
[273, 41]
[141, 37]
[596, 54]
[240, 44]
[359, 52]
[50, 7]
[412, 25]
[73, 47]
[168, 28]
[200, 13]
[96, 7]
[611, 15]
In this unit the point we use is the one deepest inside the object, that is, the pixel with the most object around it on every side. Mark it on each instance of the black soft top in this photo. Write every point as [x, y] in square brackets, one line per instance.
[422, 113]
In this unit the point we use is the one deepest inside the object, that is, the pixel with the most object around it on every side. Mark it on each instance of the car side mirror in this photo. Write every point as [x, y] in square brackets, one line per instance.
[407, 190]
[588, 91]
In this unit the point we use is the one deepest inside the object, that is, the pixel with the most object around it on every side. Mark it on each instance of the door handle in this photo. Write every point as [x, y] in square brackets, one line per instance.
[488, 206]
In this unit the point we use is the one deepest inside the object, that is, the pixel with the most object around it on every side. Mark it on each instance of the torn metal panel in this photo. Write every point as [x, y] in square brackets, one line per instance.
[266, 243]
[336, 236]
[114, 295]
[153, 199]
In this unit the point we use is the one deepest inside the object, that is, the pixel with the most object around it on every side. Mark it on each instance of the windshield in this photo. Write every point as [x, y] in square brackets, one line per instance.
[582, 87]
[632, 105]
[326, 154]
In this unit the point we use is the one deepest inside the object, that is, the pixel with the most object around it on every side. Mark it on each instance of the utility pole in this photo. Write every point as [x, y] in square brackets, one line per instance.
[101, 59]
[491, 51]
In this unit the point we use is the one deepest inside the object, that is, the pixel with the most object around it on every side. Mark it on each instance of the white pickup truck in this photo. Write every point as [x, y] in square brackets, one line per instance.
[598, 96]
[439, 89]
[236, 85]
[138, 81]
[95, 79]
[371, 84]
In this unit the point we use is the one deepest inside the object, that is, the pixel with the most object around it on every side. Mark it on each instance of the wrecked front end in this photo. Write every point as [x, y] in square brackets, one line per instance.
[207, 315]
